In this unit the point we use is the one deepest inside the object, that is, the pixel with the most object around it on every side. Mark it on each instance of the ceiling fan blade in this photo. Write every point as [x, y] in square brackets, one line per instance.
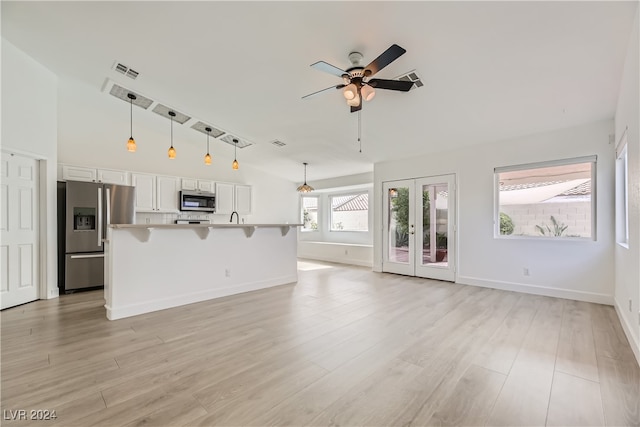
[323, 90]
[328, 68]
[401, 85]
[386, 58]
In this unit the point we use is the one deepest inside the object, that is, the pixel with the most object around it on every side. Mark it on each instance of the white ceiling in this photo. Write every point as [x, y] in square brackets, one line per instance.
[492, 70]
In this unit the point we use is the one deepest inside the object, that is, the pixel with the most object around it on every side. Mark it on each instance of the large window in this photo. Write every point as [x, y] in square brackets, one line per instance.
[622, 192]
[350, 212]
[309, 213]
[551, 199]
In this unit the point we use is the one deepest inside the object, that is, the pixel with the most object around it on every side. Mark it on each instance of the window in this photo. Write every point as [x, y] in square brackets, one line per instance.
[622, 192]
[550, 199]
[350, 212]
[309, 213]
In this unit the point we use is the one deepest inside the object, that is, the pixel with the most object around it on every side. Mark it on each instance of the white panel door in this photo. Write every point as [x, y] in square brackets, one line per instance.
[243, 199]
[19, 222]
[168, 188]
[224, 198]
[145, 185]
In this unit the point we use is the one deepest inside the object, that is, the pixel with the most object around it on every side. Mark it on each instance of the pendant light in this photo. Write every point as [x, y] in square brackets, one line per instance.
[131, 144]
[235, 165]
[172, 151]
[305, 188]
[207, 157]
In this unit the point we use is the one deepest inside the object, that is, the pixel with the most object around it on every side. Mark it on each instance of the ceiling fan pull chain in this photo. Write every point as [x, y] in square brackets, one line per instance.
[360, 129]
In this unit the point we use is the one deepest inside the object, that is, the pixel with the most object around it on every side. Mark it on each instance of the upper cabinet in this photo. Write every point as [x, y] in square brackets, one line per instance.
[233, 197]
[156, 193]
[243, 199]
[224, 198]
[198, 185]
[107, 176]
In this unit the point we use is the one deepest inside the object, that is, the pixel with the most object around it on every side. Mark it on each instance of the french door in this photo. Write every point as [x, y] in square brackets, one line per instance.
[419, 219]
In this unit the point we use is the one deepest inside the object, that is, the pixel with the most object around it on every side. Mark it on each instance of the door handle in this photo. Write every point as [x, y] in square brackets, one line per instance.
[100, 216]
[87, 256]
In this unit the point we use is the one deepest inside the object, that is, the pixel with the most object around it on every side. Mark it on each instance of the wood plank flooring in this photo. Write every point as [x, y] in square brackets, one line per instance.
[343, 346]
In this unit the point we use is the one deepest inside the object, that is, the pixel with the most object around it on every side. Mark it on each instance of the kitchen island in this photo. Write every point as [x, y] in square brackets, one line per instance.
[153, 267]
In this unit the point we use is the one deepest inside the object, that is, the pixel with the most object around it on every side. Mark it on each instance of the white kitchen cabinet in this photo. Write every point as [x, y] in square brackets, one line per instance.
[243, 199]
[156, 193]
[168, 188]
[145, 191]
[78, 173]
[224, 198]
[205, 185]
[189, 184]
[233, 197]
[108, 176]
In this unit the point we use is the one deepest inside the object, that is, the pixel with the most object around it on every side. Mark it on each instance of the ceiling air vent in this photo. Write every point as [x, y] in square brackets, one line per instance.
[278, 143]
[121, 93]
[123, 69]
[163, 110]
[201, 127]
[241, 142]
[411, 76]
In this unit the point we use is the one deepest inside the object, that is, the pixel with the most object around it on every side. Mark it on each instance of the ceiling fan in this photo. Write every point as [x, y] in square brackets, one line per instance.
[357, 82]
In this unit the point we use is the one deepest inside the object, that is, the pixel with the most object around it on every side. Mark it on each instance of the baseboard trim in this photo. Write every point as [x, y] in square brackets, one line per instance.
[120, 312]
[343, 260]
[537, 290]
[626, 327]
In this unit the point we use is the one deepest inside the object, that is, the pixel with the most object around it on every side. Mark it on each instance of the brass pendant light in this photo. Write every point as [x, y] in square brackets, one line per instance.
[172, 151]
[235, 165]
[305, 188]
[131, 144]
[207, 157]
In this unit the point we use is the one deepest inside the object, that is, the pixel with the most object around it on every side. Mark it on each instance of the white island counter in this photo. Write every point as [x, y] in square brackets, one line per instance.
[154, 267]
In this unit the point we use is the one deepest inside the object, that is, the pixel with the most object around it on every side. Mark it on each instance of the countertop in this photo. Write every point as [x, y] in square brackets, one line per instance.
[231, 225]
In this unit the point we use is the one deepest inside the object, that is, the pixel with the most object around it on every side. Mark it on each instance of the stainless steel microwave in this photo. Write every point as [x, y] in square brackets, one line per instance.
[199, 201]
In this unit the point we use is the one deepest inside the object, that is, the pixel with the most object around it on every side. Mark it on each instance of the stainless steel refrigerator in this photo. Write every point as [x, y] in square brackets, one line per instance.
[85, 209]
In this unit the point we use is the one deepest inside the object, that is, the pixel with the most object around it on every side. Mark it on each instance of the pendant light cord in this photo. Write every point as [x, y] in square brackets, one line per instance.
[171, 129]
[131, 116]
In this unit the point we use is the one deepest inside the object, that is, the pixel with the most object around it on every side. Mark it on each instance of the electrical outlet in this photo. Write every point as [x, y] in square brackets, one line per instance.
[148, 220]
[630, 305]
[227, 272]
[346, 251]
[525, 271]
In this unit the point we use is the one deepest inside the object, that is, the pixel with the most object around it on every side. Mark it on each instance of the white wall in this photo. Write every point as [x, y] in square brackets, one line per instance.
[29, 126]
[581, 270]
[82, 132]
[627, 259]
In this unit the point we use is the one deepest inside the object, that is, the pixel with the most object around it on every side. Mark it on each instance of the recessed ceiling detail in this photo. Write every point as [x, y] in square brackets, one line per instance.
[121, 93]
[242, 143]
[201, 127]
[411, 76]
[123, 69]
[163, 110]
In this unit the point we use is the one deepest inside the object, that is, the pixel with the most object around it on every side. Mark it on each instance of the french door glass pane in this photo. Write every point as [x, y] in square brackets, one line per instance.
[435, 224]
[398, 227]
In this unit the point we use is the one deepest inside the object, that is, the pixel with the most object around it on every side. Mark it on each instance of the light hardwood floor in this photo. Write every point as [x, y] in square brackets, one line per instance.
[343, 346]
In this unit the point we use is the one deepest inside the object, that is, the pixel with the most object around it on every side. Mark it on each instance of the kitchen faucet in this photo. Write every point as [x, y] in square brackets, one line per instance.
[237, 217]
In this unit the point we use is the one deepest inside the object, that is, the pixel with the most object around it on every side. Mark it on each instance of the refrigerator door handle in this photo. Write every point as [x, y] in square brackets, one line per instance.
[99, 216]
[108, 203]
[87, 256]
